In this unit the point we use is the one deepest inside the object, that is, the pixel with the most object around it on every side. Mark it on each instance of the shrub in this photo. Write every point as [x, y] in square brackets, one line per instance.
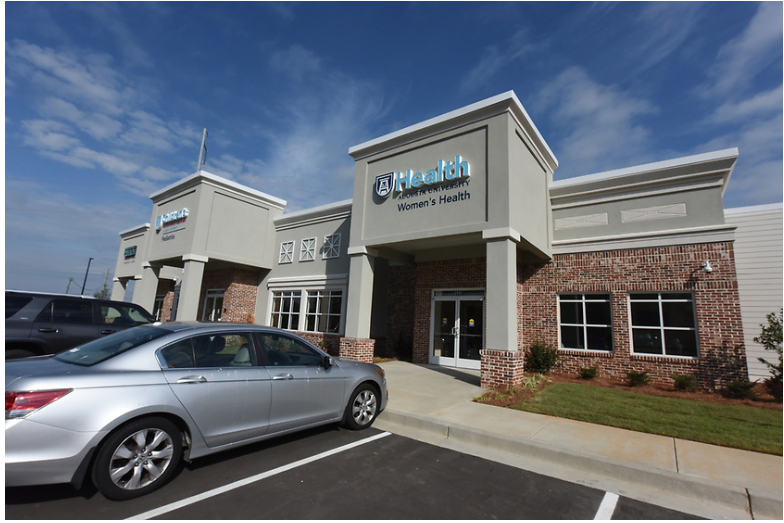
[687, 382]
[740, 389]
[771, 338]
[773, 386]
[541, 358]
[589, 373]
[635, 379]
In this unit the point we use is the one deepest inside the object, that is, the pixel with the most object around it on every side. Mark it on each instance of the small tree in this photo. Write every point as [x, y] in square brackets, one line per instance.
[771, 338]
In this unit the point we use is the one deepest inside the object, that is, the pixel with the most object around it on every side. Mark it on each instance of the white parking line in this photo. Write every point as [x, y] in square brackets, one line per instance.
[607, 508]
[247, 481]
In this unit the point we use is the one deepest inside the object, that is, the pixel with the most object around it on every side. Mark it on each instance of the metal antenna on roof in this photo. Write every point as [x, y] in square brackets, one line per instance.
[202, 151]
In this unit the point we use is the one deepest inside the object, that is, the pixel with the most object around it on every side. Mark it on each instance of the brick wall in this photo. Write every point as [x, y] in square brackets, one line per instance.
[678, 268]
[400, 312]
[165, 289]
[501, 368]
[444, 274]
[358, 349]
[239, 299]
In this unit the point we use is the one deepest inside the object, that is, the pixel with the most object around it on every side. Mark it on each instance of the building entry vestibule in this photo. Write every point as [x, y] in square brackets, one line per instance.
[457, 328]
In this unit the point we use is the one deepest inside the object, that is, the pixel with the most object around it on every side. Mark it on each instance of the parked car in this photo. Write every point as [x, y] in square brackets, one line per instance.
[125, 409]
[38, 323]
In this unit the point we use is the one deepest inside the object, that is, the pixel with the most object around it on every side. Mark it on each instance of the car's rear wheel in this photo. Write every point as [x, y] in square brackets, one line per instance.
[137, 459]
[362, 408]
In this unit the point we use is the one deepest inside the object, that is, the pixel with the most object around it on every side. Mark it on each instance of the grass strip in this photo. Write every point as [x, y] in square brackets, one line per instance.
[727, 425]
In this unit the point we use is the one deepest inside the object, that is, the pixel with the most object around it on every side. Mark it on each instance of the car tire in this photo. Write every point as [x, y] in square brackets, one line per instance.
[137, 458]
[362, 408]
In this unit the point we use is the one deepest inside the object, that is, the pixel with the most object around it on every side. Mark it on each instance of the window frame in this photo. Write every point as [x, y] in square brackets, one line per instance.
[305, 314]
[331, 247]
[295, 295]
[586, 297]
[286, 254]
[661, 299]
[307, 249]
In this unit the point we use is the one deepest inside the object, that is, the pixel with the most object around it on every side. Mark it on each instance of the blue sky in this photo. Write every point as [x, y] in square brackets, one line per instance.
[105, 102]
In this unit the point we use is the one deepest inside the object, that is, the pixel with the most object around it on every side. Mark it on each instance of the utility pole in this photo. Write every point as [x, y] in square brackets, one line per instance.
[202, 151]
[85, 274]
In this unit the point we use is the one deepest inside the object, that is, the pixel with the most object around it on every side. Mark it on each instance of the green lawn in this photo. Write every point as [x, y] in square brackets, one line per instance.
[731, 426]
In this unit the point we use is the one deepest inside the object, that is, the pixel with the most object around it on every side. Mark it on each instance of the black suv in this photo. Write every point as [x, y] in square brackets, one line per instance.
[37, 323]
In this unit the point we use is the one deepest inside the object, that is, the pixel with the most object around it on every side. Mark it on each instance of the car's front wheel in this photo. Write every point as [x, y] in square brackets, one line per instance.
[137, 458]
[362, 408]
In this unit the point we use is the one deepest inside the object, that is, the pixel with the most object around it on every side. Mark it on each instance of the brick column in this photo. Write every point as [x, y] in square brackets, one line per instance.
[502, 368]
[359, 349]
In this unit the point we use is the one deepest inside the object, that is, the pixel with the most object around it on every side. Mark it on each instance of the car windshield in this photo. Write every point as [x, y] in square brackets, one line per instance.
[107, 347]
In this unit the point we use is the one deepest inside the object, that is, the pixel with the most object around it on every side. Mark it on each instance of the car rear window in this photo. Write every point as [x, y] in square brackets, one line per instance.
[107, 347]
[123, 315]
[14, 304]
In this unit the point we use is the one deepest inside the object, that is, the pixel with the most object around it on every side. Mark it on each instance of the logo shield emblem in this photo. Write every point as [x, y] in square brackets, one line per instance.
[383, 186]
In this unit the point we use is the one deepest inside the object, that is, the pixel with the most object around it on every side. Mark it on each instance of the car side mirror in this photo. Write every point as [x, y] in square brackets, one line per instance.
[327, 362]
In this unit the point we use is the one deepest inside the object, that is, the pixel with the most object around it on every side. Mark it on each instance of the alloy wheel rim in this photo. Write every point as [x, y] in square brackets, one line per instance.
[364, 408]
[141, 459]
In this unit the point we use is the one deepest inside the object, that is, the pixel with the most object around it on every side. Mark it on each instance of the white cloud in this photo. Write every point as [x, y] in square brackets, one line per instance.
[661, 28]
[296, 62]
[495, 59]
[762, 104]
[99, 126]
[742, 58]
[597, 125]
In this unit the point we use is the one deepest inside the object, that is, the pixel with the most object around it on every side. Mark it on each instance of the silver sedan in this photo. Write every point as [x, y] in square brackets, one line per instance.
[125, 410]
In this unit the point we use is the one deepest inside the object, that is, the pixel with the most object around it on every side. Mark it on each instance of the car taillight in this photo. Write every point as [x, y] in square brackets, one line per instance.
[20, 404]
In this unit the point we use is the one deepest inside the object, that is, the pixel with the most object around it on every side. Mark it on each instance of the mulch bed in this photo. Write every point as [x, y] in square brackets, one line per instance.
[762, 401]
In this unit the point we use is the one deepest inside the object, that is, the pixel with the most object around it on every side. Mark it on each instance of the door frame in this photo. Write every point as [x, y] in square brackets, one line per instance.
[456, 296]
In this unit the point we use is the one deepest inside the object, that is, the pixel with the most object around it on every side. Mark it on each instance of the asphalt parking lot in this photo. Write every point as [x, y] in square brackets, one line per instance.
[332, 473]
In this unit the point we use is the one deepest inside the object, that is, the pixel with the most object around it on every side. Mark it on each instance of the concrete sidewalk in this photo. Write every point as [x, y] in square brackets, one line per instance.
[433, 404]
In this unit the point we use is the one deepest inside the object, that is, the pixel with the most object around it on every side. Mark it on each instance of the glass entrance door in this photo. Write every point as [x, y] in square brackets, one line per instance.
[457, 333]
[213, 305]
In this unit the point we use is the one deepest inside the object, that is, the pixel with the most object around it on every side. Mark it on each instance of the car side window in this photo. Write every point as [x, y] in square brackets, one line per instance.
[283, 350]
[122, 315]
[68, 311]
[179, 355]
[224, 350]
[14, 304]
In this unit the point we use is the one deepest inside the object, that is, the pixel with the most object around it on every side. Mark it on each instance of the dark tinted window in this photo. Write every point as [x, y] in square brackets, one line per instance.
[123, 315]
[72, 311]
[285, 351]
[104, 348]
[67, 311]
[14, 304]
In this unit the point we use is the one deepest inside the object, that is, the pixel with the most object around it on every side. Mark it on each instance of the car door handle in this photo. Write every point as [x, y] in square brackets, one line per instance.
[283, 377]
[47, 329]
[108, 331]
[192, 379]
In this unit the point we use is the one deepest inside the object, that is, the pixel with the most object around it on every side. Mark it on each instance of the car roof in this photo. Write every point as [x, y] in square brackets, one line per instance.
[58, 294]
[208, 326]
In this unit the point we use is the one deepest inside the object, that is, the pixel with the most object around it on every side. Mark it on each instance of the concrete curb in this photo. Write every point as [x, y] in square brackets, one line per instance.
[759, 505]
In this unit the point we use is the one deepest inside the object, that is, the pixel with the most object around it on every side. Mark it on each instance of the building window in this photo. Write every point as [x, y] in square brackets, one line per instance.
[585, 321]
[324, 311]
[307, 249]
[309, 311]
[663, 323]
[286, 309]
[331, 247]
[286, 252]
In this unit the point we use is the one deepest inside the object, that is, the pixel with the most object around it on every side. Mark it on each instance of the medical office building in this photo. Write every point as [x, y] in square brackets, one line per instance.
[459, 249]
